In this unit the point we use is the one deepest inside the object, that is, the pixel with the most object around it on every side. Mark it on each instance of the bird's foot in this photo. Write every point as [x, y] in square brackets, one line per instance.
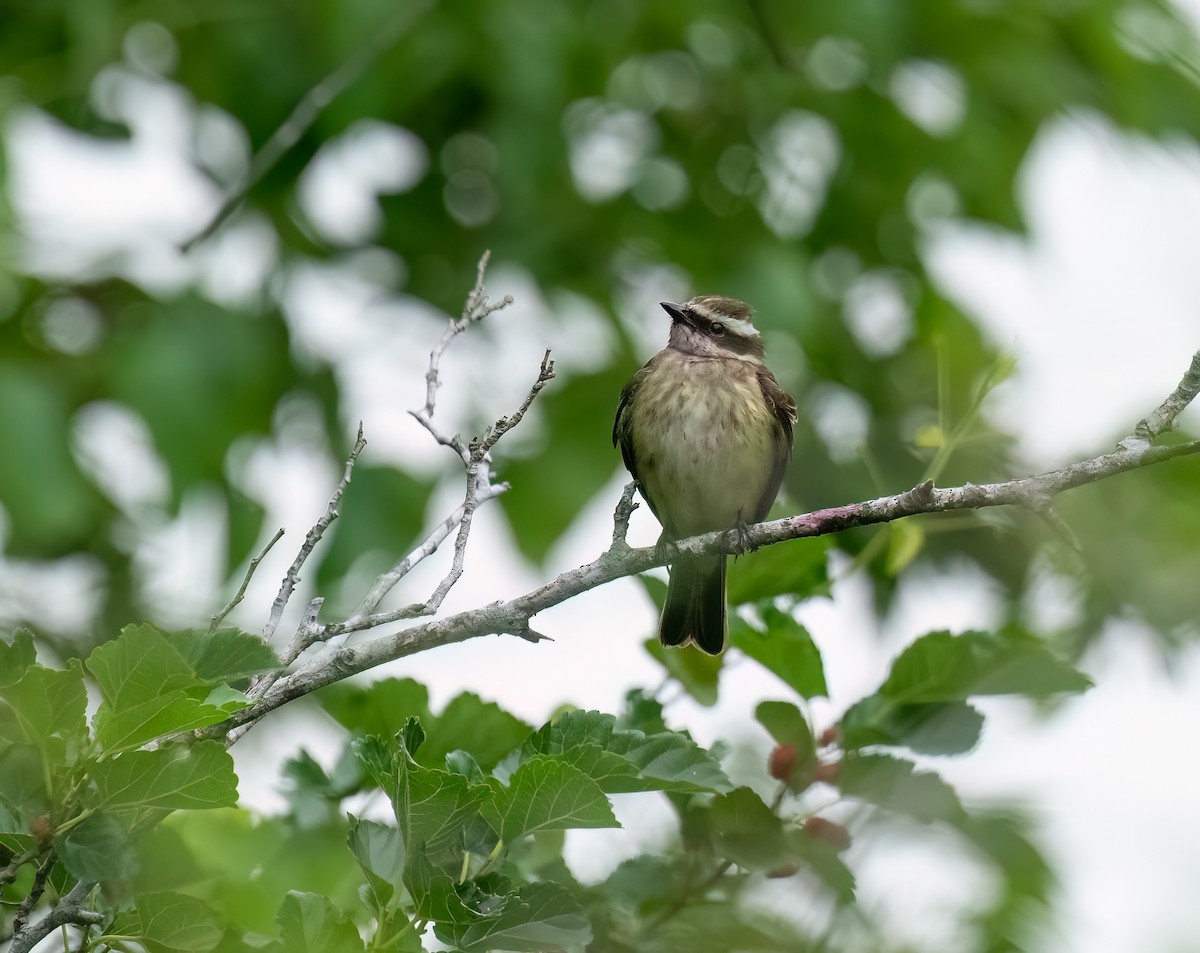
[744, 544]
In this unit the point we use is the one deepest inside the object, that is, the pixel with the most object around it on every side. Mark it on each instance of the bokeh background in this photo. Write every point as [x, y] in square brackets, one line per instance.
[968, 228]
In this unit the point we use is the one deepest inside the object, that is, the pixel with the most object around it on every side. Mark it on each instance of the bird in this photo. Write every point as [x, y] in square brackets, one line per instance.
[707, 432]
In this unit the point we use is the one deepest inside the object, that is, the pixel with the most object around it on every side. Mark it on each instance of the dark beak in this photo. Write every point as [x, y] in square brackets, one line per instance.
[675, 311]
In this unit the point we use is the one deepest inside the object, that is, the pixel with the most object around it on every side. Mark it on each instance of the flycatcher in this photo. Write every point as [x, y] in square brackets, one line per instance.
[706, 430]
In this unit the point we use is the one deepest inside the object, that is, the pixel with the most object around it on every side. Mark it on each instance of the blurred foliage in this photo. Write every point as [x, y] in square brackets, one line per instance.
[795, 155]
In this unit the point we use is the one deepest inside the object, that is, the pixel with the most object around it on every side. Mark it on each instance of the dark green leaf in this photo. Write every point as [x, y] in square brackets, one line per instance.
[540, 917]
[380, 709]
[174, 777]
[941, 667]
[825, 863]
[176, 923]
[931, 728]
[793, 568]
[481, 728]
[895, 784]
[746, 831]
[786, 649]
[98, 848]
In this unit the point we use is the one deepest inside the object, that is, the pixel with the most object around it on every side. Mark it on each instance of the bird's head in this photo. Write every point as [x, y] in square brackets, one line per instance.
[713, 326]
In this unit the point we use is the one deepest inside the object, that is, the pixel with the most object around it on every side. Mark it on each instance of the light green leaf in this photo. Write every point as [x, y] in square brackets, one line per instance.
[929, 728]
[697, 672]
[547, 794]
[139, 665]
[16, 656]
[379, 850]
[788, 726]
[174, 777]
[224, 656]
[785, 648]
[130, 727]
[176, 923]
[310, 923]
[45, 708]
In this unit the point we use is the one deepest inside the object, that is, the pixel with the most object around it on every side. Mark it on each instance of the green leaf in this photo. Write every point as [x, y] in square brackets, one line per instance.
[16, 656]
[786, 649]
[379, 850]
[125, 728]
[941, 667]
[174, 777]
[140, 664]
[175, 923]
[46, 708]
[788, 726]
[622, 761]
[309, 923]
[825, 863]
[98, 848]
[23, 779]
[380, 709]
[483, 729]
[895, 784]
[542, 916]
[795, 568]
[746, 831]
[548, 794]
[696, 672]
[226, 655]
[928, 728]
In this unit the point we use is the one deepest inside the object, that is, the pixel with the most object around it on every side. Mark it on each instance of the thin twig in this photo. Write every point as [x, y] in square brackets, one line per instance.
[21, 920]
[288, 586]
[308, 109]
[622, 515]
[8, 872]
[1163, 417]
[241, 593]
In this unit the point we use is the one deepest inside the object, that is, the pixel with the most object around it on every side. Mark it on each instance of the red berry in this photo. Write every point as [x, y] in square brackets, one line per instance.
[787, 870]
[826, 772]
[782, 762]
[829, 736]
[830, 832]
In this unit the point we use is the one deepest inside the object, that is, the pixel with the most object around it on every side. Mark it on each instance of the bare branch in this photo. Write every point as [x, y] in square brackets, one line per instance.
[241, 593]
[1163, 417]
[69, 909]
[305, 113]
[622, 515]
[310, 541]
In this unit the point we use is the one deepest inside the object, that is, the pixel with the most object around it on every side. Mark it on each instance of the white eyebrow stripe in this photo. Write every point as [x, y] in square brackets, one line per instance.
[742, 327]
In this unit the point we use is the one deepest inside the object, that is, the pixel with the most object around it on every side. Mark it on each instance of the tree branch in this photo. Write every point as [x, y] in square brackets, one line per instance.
[69, 909]
[620, 560]
[219, 617]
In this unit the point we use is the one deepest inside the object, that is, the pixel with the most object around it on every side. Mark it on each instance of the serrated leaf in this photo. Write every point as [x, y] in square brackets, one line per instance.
[310, 923]
[22, 780]
[98, 849]
[16, 656]
[138, 665]
[379, 850]
[743, 829]
[175, 923]
[547, 794]
[622, 761]
[930, 728]
[788, 726]
[895, 784]
[797, 568]
[941, 667]
[174, 777]
[786, 649]
[45, 708]
[130, 727]
[541, 916]
[224, 656]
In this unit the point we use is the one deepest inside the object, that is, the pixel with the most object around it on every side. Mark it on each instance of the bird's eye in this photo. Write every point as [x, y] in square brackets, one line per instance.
[717, 329]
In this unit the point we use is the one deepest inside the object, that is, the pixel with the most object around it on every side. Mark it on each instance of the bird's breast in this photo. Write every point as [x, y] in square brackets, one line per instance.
[705, 441]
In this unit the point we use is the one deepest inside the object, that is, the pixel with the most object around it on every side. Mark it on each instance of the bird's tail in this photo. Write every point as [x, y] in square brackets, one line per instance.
[695, 607]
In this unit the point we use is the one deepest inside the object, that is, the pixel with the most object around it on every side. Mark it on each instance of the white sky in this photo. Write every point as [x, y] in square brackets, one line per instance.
[1100, 305]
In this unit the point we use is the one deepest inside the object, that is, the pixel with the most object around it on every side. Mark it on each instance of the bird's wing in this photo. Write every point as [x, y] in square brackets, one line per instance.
[783, 406]
[623, 431]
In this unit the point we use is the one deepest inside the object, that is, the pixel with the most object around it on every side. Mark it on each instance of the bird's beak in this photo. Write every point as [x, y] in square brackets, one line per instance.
[675, 311]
